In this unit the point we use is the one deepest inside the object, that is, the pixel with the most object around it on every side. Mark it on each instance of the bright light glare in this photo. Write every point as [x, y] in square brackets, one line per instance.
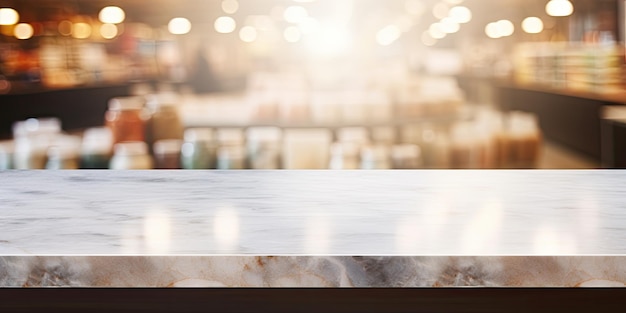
[532, 25]
[225, 24]
[179, 26]
[108, 31]
[449, 26]
[460, 14]
[230, 6]
[505, 27]
[226, 227]
[248, 34]
[81, 30]
[292, 34]
[492, 31]
[309, 25]
[8, 16]
[559, 8]
[436, 32]
[441, 9]
[23, 31]
[111, 15]
[388, 35]
[295, 14]
[331, 39]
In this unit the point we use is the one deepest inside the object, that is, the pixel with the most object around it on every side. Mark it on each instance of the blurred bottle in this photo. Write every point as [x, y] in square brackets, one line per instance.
[96, 148]
[231, 157]
[126, 119]
[524, 140]
[464, 150]
[344, 156]
[164, 121]
[63, 153]
[406, 156]
[131, 155]
[263, 146]
[167, 154]
[6, 155]
[32, 139]
[199, 150]
[375, 157]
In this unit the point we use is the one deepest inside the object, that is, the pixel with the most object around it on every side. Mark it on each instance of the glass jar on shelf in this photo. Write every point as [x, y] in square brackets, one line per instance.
[96, 148]
[231, 157]
[165, 121]
[126, 118]
[199, 151]
[131, 155]
[263, 147]
[167, 154]
[63, 153]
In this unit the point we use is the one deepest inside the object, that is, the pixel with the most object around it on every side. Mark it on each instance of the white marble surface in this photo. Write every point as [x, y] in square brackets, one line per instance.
[313, 212]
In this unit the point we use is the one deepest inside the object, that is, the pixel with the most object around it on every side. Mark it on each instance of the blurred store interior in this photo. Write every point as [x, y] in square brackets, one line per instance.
[312, 84]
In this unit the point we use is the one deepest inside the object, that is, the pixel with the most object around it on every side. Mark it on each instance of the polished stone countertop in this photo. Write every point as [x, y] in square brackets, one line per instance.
[330, 213]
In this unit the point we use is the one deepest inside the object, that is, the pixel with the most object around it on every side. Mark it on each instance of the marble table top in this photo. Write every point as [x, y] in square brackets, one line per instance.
[379, 213]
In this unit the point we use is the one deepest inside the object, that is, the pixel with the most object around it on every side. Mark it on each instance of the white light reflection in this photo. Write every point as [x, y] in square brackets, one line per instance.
[230, 6]
[157, 232]
[548, 241]
[559, 8]
[330, 40]
[483, 231]
[248, 34]
[225, 24]
[436, 32]
[226, 228]
[318, 233]
[111, 15]
[23, 31]
[449, 26]
[532, 25]
[179, 26]
[460, 14]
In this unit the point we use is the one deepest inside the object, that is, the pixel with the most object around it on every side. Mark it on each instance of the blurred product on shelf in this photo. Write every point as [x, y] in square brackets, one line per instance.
[232, 157]
[306, 148]
[406, 157]
[6, 155]
[575, 66]
[375, 157]
[126, 118]
[167, 154]
[164, 120]
[64, 153]
[97, 148]
[32, 140]
[131, 155]
[344, 156]
[199, 150]
[264, 147]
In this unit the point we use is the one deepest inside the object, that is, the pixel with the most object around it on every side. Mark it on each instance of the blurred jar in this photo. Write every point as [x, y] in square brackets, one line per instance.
[63, 153]
[524, 140]
[167, 154]
[231, 158]
[406, 156]
[126, 119]
[306, 148]
[36, 126]
[375, 157]
[131, 155]
[96, 148]
[164, 122]
[464, 147]
[6, 155]
[31, 152]
[199, 149]
[263, 146]
[344, 156]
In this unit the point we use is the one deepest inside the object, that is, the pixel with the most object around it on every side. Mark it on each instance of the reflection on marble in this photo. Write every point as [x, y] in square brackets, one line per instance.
[311, 271]
[312, 213]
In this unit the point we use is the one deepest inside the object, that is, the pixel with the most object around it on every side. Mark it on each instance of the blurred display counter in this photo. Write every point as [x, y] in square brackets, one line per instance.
[312, 228]
[569, 117]
[614, 137]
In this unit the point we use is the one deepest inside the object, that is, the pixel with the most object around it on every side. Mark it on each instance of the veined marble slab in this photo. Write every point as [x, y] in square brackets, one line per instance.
[345, 213]
[311, 271]
[312, 228]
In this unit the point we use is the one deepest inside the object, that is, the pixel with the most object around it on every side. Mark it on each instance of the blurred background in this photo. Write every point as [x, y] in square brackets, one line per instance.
[312, 84]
